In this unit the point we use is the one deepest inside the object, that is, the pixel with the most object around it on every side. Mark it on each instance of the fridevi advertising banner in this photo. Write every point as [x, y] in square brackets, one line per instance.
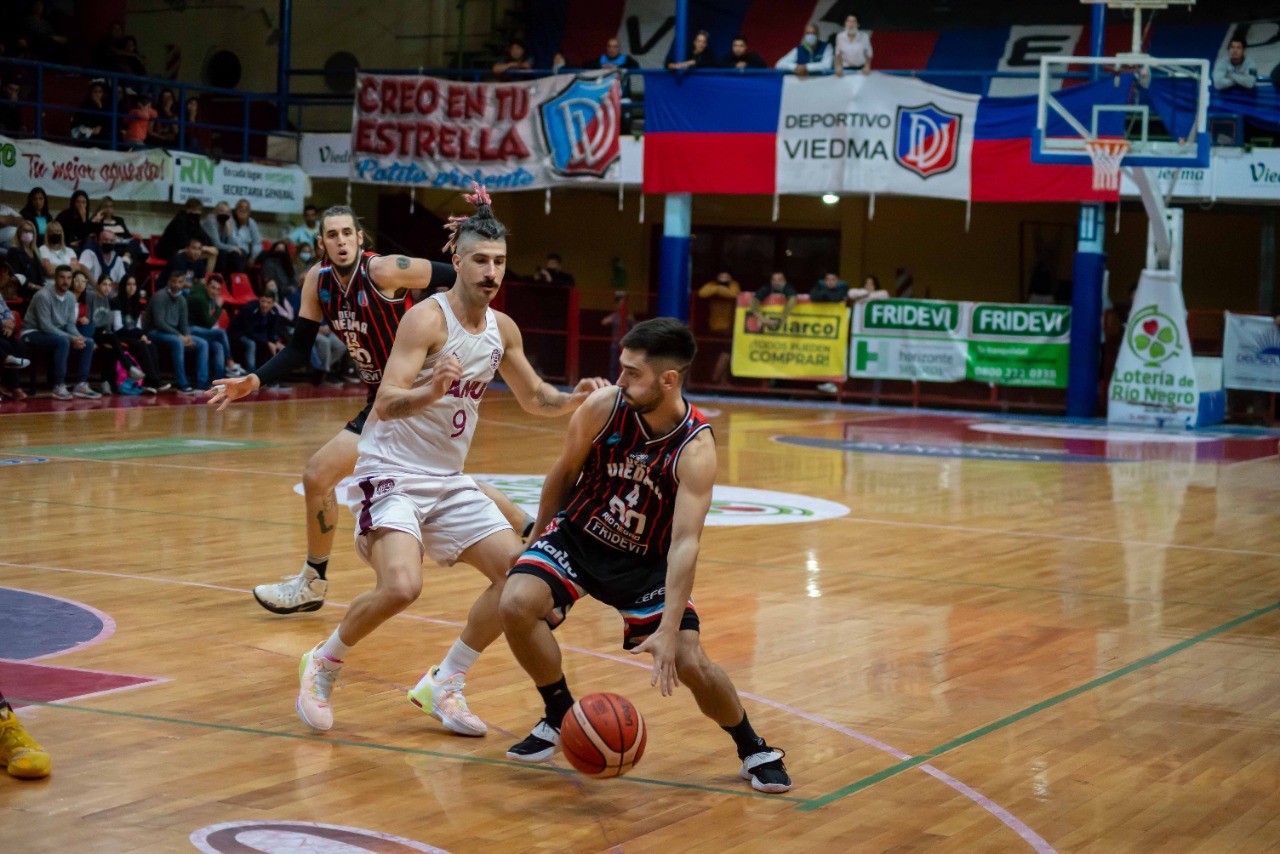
[1154, 383]
[874, 134]
[413, 131]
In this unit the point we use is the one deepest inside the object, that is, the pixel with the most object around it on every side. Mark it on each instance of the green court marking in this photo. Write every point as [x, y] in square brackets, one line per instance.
[391, 748]
[168, 446]
[1154, 658]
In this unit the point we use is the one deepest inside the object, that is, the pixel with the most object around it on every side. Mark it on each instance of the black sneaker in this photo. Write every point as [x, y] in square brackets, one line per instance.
[188, 390]
[539, 745]
[765, 771]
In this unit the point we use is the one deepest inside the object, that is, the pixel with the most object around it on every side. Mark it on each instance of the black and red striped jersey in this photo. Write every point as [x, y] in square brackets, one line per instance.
[362, 317]
[626, 495]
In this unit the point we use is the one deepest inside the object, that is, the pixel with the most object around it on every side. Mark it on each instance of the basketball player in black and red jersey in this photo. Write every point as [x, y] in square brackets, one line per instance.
[623, 510]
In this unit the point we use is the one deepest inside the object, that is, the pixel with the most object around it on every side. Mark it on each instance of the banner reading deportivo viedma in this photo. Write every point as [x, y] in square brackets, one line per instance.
[808, 343]
[60, 170]
[934, 341]
[1154, 383]
[426, 132]
[1251, 353]
[269, 189]
[874, 134]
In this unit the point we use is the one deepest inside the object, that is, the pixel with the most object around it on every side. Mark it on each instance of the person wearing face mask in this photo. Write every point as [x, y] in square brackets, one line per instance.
[304, 261]
[811, 55]
[102, 257]
[56, 253]
[853, 48]
[24, 260]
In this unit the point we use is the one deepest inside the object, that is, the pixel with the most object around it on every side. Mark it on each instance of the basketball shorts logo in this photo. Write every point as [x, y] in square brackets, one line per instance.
[384, 487]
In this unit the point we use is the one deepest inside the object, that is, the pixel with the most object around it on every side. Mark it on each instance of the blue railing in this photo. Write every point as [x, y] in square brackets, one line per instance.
[37, 78]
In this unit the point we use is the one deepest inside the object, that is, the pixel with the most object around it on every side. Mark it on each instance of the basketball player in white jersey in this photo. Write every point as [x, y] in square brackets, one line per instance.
[415, 500]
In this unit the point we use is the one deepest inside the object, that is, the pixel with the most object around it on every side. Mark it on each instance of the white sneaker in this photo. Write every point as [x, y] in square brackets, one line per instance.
[302, 592]
[235, 370]
[135, 373]
[316, 676]
[443, 700]
[60, 392]
[83, 390]
[105, 388]
[16, 362]
[538, 746]
[828, 388]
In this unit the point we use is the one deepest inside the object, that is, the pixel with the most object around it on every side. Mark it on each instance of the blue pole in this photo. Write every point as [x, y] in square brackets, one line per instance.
[1084, 357]
[682, 31]
[283, 58]
[674, 265]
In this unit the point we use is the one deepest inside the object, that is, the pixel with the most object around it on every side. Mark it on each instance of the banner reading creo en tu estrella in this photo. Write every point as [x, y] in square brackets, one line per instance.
[935, 341]
[809, 343]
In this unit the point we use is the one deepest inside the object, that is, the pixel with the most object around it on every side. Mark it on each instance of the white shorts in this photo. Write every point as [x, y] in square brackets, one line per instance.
[447, 514]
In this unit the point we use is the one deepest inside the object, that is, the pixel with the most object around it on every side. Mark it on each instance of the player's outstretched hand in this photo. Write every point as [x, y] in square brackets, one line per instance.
[225, 391]
[585, 386]
[662, 646]
[448, 371]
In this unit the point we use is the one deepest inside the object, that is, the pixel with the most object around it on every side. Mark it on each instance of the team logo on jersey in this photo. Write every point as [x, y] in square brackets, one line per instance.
[362, 299]
[384, 487]
[613, 440]
[580, 126]
[324, 294]
[927, 139]
[638, 457]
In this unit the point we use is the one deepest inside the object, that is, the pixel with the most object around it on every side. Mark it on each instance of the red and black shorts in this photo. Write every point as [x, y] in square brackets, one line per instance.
[573, 566]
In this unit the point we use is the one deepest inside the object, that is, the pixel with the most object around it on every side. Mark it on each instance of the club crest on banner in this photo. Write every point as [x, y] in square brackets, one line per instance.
[581, 126]
[927, 139]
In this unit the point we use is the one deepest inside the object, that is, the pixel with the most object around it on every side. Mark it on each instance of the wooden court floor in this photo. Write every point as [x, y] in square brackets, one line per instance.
[987, 652]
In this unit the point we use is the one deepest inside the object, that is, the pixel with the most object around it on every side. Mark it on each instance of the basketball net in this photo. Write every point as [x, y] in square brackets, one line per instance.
[1106, 155]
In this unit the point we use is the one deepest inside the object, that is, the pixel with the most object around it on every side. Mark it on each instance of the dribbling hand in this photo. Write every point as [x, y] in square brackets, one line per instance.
[225, 391]
[447, 372]
[662, 646]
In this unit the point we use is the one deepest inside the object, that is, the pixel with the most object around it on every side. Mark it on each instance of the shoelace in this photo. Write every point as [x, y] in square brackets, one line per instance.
[324, 681]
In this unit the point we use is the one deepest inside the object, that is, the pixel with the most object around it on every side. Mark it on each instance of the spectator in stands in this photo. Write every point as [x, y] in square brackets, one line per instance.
[24, 260]
[257, 326]
[41, 38]
[326, 356]
[13, 352]
[218, 226]
[740, 57]
[244, 231]
[721, 294]
[182, 228]
[613, 57]
[90, 123]
[131, 60]
[191, 263]
[50, 325]
[777, 286]
[205, 307]
[1235, 73]
[167, 325]
[304, 261]
[102, 257]
[137, 124]
[277, 269]
[78, 224]
[10, 222]
[853, 48]
[37, 211]
[551, 274]
[515, 58]
[870, 290]
[829, 289]
[126, 242]
[163, 131]
[307, 233]
[56, 253]
[101, 327]
[129, 309]
[811, 55]
[10, 112]
[197, 138]
[700, 55]
[904, 282]
[104, 55]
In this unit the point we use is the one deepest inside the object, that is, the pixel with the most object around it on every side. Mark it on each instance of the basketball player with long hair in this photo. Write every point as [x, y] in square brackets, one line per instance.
[415, 500]
[621, 516]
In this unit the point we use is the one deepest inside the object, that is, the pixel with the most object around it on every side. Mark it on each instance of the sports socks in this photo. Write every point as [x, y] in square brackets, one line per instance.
[745, 737]
[558, 701]
[459, 660]
[528, 526]
[334, 649]
[319, 564]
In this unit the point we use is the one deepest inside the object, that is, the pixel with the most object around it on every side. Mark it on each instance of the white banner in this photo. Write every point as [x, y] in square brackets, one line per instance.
[414, 131]
[1233, 175]
[874, 134]
[1251, 353]
[1154, 383]
[60, 170]
[909, 340]
[325, 155]
[270, 189]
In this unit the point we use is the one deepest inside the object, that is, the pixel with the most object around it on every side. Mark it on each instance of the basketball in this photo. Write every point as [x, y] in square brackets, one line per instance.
[603, 735]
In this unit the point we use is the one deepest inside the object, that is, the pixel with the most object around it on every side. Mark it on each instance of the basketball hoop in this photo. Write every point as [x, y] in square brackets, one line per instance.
[1106, 155]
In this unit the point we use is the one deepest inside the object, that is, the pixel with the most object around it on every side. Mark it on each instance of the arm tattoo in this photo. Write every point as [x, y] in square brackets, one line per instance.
[402, 262]
[398, 408]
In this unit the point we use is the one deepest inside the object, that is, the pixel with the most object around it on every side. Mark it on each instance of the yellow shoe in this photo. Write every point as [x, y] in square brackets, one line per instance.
[19, 752]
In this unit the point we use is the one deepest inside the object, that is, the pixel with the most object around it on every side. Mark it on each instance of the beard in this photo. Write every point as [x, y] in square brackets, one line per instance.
[643, 405]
